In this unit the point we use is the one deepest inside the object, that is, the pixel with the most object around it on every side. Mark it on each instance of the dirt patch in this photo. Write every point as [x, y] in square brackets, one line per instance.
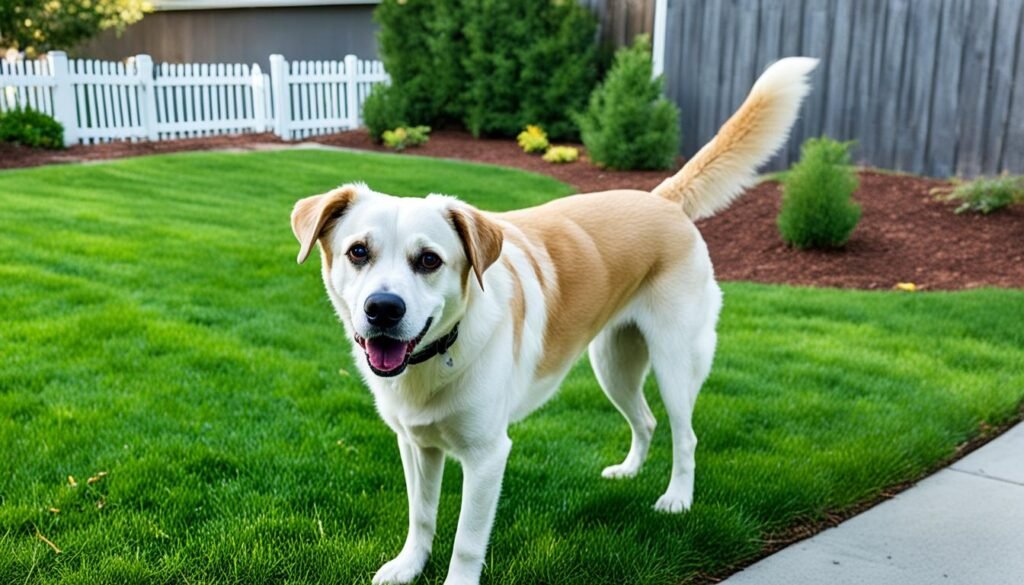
[904, 234]
[13, 156]
[582, 175]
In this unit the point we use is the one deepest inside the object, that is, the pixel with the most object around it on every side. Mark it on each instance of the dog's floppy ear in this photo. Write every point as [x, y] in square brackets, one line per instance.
[481, 238]
[313, 215]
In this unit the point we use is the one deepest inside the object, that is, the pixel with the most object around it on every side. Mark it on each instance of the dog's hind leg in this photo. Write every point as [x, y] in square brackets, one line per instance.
[620, 361]
[681, 338]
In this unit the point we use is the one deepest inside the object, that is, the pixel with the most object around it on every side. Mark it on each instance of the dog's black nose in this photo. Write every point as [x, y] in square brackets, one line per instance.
[384, 309]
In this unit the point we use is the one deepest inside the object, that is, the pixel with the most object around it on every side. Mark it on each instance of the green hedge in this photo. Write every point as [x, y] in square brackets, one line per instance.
[493, 65]
[29, 127]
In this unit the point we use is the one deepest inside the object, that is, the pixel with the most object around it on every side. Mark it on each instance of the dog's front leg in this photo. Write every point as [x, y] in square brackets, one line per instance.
[482, 471]
[423, 469]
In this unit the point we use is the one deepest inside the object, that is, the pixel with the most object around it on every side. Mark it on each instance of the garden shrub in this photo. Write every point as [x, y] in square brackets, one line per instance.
[404, 39]
[448, 47]
[401, 138]
[532, 139]
[492, 65]
[531, 61]
[629, 124]
[384, 108]
[30, 127]
[562, 154]
[817, 210]
[985, 195]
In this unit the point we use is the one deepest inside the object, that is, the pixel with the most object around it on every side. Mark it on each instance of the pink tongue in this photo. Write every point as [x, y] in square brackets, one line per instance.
[385, 353]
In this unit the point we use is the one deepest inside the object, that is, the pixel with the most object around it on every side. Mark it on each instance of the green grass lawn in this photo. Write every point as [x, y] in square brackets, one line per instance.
[154, 325]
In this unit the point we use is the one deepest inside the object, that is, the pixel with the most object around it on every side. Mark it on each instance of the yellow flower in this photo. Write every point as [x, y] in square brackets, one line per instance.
[561, 154]
[906, 286]
[533, 139]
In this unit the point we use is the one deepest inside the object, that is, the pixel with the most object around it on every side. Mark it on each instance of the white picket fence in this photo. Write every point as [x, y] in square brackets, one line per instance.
[100, 101]
[318, 97]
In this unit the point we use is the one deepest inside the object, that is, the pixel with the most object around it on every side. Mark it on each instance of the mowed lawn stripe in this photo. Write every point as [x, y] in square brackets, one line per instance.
[155, 327]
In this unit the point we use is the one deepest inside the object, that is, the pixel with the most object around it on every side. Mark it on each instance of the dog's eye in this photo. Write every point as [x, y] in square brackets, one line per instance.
[428, 262]
[358, 254]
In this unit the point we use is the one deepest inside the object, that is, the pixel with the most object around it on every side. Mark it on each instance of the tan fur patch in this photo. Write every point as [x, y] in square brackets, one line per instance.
[481, 239]
[314, 215]
[326, 255]
[602, 247]
[517, 239]
[518, 306]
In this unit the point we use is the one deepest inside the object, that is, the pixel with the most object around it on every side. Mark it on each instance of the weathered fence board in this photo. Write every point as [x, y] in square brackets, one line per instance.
[1008, 28]
[933, 87]
[1013, 143]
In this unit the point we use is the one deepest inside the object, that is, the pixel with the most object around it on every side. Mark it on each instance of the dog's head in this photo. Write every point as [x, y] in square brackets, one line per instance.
[398, 269]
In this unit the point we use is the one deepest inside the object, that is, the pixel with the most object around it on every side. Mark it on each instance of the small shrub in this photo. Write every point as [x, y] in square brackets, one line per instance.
[29, 127]
[561, 154]
[401, 138]
[532, 140]
[629, 124]
[817, 211]
[384, 108]
[984, 195]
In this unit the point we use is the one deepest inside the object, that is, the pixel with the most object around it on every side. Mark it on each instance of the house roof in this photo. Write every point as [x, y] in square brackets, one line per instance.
[218, 4]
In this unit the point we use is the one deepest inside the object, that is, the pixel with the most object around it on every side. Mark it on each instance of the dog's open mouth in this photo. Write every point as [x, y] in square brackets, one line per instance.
[389, 356]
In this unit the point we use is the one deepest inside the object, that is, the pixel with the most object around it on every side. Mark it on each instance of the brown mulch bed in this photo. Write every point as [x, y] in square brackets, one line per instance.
[904, 235]
[585, 177]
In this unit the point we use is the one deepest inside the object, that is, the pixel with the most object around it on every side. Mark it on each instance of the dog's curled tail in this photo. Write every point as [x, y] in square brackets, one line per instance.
[727, 165]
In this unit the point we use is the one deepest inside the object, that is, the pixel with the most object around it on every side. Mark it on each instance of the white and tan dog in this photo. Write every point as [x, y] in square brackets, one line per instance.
[466, 321]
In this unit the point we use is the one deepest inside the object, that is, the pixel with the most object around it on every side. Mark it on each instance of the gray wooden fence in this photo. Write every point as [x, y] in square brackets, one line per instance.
[928, 86]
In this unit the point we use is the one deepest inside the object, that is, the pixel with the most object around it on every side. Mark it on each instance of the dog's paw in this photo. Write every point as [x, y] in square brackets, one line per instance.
[620, 471]
[673, 503]
[402, 569]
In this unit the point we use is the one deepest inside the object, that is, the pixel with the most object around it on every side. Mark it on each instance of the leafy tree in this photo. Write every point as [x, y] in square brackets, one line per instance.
[37, 26]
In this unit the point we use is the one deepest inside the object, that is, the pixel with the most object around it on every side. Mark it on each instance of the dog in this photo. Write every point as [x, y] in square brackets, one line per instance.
[465, 321]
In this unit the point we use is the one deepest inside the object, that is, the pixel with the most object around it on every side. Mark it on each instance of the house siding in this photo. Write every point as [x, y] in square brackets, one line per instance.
[244, 35]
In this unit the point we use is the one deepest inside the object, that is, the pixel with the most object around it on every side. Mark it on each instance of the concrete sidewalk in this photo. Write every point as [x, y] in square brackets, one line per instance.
[963, 525]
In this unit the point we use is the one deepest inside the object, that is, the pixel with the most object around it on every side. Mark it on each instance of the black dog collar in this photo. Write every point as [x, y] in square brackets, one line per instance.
[440, 346]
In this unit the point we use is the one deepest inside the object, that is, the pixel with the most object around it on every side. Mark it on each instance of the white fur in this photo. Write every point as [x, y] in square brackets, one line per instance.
[727, 165]
[461, 403]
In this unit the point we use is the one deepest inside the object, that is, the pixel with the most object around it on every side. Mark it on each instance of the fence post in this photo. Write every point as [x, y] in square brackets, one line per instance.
[144, 71]
[64, 110]
[282, 98]
[351, 93]
[259, 103]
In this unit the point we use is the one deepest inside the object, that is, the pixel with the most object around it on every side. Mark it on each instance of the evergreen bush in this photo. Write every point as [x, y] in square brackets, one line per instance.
[817, 209]
[493, 65]
[629, 124]
[405, 47]
[29, 127]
